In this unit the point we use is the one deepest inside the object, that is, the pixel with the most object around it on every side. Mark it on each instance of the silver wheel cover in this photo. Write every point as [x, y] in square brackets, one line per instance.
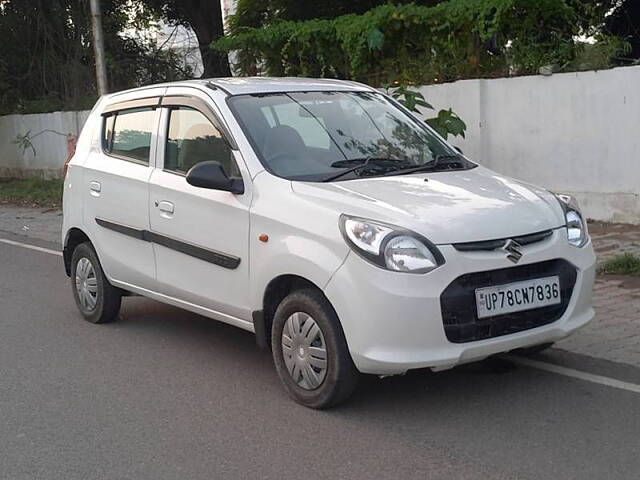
[86, 284]
[304, 351]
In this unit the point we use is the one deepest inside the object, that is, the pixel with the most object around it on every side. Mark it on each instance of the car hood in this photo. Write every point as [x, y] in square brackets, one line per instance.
[446, 207]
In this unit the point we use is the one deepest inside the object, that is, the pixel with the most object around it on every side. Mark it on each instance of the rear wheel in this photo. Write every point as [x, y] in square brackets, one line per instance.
[96, 298]
[310, 352]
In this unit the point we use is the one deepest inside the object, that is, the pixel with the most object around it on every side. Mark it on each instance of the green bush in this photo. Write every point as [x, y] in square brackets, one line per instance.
[623, 264]
[31, 192]
[414, 44]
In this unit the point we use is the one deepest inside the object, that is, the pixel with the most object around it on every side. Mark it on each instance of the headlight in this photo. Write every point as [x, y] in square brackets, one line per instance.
[390, 247]
[577, 233]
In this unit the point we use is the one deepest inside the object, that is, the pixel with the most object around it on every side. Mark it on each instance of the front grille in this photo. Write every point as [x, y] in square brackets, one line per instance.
[500, 242]
[458, 302]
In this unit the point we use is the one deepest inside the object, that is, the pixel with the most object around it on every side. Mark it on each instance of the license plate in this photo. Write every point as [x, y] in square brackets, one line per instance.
[517, 296]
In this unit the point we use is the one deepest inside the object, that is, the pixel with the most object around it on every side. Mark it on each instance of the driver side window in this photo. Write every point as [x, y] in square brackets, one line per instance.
[192, 139]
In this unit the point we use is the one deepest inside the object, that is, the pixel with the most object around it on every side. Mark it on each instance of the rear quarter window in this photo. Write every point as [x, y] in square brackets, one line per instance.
[127, 134]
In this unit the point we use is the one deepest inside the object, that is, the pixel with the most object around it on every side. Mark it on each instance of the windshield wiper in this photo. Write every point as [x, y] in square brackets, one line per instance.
[447, 160]
[442, 160]
[375, 162]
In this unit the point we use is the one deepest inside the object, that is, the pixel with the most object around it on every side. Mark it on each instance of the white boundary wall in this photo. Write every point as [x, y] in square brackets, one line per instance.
[50, 148]
[577, 133]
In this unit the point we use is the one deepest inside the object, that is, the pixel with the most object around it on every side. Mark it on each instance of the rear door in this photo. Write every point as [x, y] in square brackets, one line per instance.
[200, 236]
[116, 190]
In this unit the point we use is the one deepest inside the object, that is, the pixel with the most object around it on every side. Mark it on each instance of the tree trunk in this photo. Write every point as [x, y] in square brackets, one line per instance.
[206, 20]
[216, 64]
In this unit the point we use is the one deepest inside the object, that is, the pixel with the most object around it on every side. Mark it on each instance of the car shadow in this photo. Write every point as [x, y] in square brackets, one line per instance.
[225, 343]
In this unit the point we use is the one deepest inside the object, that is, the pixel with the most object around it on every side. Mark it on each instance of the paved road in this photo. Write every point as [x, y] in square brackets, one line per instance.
[165, 394]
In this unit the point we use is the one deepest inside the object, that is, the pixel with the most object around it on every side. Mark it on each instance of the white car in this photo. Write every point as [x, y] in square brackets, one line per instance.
[325, 218]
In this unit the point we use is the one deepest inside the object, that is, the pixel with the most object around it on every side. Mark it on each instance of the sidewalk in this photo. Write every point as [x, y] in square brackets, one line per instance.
[613, 335]
[615, 332]
[611, 239]
[39, 223]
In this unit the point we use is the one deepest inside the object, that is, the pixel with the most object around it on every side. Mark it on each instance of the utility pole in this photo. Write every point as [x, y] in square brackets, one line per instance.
[98, 47]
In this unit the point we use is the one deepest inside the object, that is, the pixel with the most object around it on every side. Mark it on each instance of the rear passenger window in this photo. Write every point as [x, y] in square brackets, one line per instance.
[128, 134]
[192, 139]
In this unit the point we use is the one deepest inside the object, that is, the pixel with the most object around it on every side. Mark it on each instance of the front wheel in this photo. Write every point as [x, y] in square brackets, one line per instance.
[310, 352]
[96, 298]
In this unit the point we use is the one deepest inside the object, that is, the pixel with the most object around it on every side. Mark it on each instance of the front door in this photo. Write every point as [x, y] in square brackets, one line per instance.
[200, 236]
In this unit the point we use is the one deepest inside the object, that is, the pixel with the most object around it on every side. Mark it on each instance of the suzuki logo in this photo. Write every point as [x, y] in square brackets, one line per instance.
[513, 250]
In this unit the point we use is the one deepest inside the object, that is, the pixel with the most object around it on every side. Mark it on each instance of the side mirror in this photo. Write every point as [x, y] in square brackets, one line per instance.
[212, 176]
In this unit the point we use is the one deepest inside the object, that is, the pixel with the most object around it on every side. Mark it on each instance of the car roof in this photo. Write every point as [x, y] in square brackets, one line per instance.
[256, 85]
[249, 85]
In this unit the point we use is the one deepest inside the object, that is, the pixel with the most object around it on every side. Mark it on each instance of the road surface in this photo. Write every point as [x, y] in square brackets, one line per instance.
[166, 394]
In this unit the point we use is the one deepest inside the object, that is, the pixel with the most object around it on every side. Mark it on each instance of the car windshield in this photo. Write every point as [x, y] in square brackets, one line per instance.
[326, 136]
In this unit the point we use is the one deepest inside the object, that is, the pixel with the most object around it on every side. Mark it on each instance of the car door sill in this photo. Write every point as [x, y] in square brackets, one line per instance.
[192, 307]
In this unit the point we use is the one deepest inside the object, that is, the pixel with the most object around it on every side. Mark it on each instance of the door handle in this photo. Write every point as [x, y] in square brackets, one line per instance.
[95, 188]
[166, 207]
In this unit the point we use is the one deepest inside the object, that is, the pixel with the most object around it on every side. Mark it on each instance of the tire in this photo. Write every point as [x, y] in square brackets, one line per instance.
[97, 300]
[534, 350]
[331, 385]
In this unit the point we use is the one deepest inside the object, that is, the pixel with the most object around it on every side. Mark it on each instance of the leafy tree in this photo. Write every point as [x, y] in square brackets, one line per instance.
[624, 22]
[590, 14]
[46, 59]
[414, 44]
[257, 13]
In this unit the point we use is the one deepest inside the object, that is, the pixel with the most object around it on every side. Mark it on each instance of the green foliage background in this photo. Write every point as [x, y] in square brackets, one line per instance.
[46, 57]
[412, 43]
[47, 64]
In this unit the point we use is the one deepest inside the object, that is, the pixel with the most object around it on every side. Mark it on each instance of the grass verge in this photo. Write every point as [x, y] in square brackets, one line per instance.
[624, 264]
[32, 192]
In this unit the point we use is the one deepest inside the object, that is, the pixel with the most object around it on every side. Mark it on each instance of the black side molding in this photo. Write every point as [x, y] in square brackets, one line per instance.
[212, 256]
[123, 229]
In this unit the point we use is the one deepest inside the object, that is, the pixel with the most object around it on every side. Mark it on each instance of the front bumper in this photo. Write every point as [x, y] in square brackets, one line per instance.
[393, 321]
